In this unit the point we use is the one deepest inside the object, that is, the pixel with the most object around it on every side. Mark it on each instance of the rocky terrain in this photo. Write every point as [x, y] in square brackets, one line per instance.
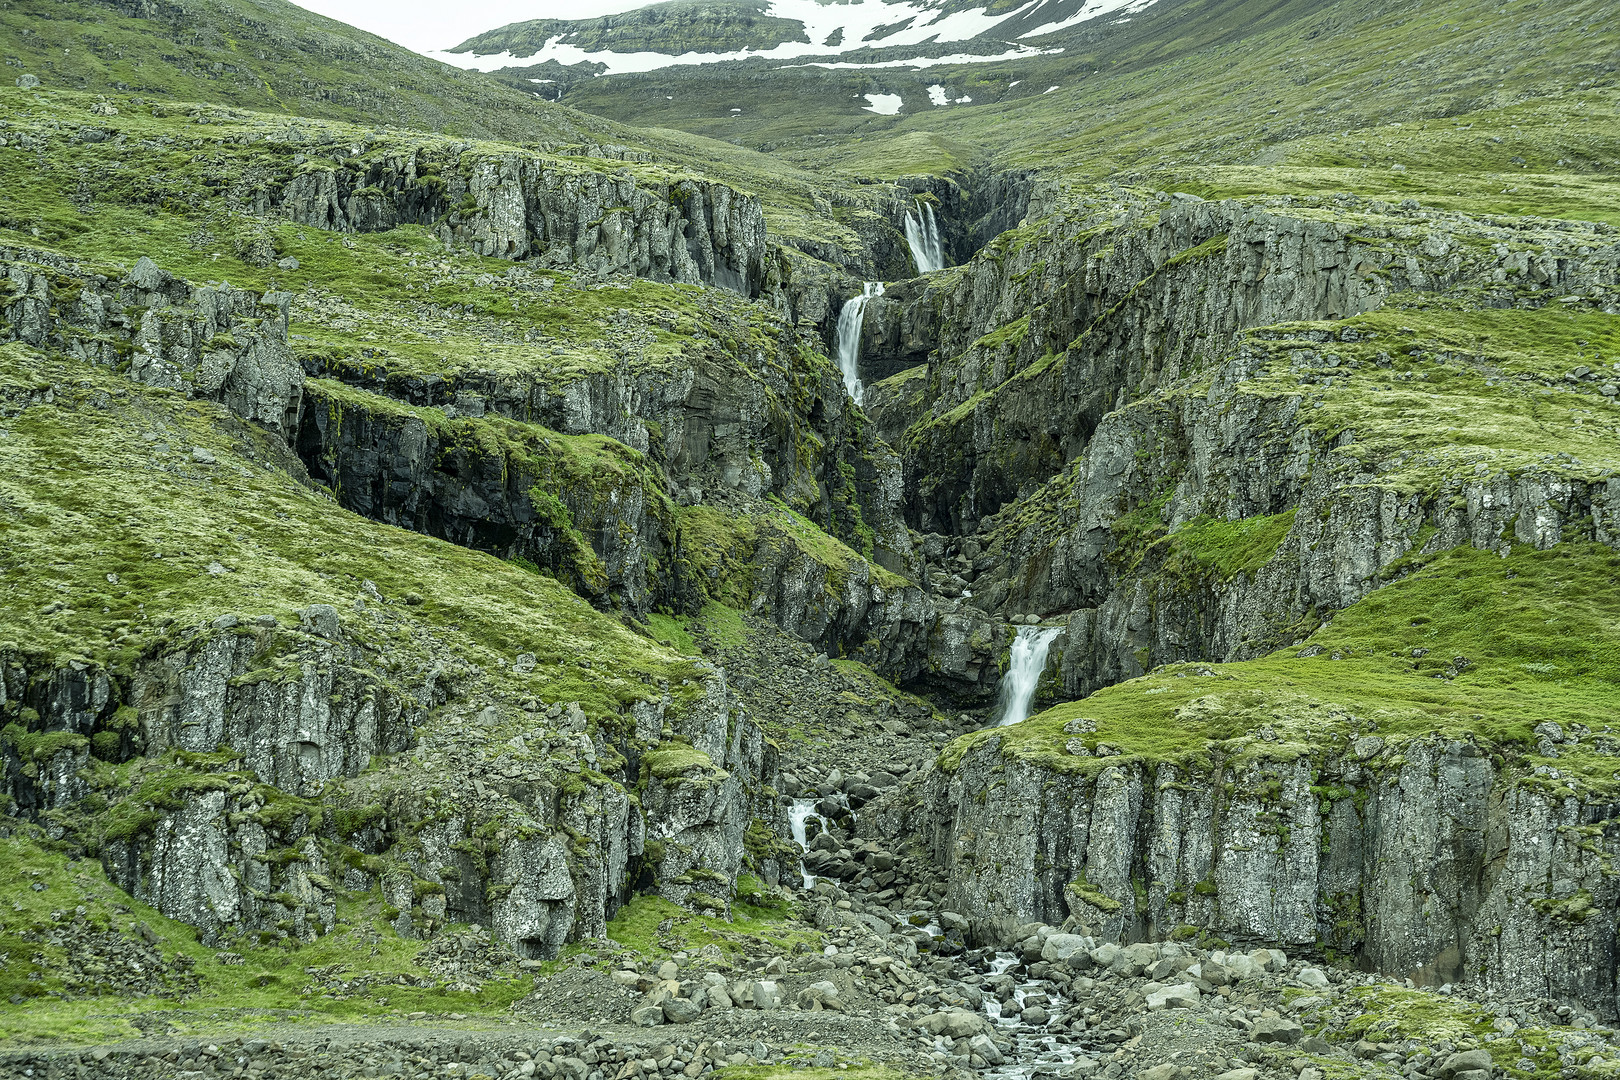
[477, 600]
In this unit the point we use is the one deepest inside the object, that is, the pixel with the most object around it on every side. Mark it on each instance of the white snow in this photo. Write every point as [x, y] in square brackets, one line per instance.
[857, 19]
[883, 104]
[1090, 10]
[932, 61]
[936, 94]
[1049, 89]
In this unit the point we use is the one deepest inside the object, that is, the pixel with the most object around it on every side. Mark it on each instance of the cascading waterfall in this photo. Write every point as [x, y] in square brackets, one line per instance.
[1026, 661]
[849, 338]
[797, 817]
[922, 236]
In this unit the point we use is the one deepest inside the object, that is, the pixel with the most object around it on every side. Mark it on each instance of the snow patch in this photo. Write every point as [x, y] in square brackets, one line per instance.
[883, 104]
[1091, 9]
[936, 94]
[932, 61]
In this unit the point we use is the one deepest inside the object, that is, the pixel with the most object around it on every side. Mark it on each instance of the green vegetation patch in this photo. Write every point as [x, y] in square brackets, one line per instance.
[657, 929]
[68, 968]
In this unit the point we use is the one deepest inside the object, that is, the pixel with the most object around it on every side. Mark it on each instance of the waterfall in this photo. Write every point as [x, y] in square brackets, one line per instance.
[922, 236]
[796, 819]
[849, 338]
[1025, 664]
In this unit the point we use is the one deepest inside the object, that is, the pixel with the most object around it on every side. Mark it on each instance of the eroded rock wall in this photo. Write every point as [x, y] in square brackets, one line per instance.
[1437, 859]
[209, 341]
[253, 748]
[518, 206]
[1059, 323]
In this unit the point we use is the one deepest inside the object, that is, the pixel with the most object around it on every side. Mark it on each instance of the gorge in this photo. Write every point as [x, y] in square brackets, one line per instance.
[509, 577]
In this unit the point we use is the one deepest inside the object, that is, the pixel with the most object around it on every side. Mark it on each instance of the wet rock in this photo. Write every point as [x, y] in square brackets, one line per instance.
[985, 1047]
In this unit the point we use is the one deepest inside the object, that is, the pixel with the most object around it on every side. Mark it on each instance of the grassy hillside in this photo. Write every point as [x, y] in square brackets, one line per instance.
[264, 54]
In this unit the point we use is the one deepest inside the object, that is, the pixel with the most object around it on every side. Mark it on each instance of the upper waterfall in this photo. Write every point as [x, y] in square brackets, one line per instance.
[1025, 663]
[849, 338]
[922, 236]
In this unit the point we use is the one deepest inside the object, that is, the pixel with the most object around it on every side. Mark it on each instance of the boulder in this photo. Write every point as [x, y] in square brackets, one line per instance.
[1315, 978]
[1060, 947]
[984, 1046]
[1276, 1030]
[647, 1016]
[1466, 1061]
[680, 1010]
[1180, 996]
[957, 1023]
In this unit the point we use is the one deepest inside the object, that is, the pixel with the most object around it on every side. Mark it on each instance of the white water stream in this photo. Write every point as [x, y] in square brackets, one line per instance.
[1036, 1050]
[1026, 661]
[922, 236]
[849, 338]
[802, 808]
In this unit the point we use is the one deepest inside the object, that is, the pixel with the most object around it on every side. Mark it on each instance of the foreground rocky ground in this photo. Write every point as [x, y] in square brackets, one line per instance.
[850, 998]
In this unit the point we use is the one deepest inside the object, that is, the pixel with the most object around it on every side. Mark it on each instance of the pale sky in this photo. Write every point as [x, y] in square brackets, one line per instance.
[433, 24]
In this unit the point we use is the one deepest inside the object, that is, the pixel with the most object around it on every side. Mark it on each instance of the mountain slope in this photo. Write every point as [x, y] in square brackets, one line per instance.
[472, 575]
[264, 54]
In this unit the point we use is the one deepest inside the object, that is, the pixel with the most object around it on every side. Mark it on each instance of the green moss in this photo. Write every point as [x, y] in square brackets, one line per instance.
[671, 760]
[1215, 245]
[671, 630]
[1224, 549]
[657, 928]
[1090, 894]
[38, 746]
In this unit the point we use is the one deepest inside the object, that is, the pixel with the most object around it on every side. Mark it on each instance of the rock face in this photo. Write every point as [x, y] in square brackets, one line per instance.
[232, 840]
[517, 206]
[589, 511]
[1436, 863]
[1069, 397]
[312, 714]
[1337, 521]
[211, 342]
[1057, 324]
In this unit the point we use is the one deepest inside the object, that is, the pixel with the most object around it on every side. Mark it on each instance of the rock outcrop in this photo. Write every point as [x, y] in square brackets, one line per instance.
[1061, 322]
[209, 341]
[1427, 859]
[517, 206]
